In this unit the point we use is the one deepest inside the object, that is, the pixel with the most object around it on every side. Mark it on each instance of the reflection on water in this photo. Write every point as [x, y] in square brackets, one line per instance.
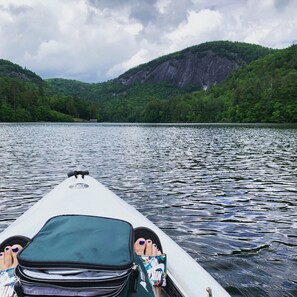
[226, 194]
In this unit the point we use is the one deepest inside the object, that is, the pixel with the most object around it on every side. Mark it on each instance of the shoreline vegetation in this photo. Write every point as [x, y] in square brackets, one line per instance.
[261, 91]
[194, 125]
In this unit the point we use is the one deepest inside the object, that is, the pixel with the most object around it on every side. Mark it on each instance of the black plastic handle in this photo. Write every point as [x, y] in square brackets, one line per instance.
[78, 172]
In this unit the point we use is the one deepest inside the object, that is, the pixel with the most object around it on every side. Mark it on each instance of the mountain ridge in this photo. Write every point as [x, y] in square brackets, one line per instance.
[202, 65]
[261, 87]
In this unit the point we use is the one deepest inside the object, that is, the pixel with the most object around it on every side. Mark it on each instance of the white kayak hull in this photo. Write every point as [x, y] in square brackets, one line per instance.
[88, 196]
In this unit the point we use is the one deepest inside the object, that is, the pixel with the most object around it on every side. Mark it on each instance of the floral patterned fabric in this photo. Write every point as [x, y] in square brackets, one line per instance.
[7, 282]
[156, 269]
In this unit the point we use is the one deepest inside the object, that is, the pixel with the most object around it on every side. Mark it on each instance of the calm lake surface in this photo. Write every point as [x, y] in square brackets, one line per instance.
[226, 194]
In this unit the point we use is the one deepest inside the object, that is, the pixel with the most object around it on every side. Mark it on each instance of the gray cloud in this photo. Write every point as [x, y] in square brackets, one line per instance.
[144, 12]
[281, 4]
[101, 4]
[15, 9]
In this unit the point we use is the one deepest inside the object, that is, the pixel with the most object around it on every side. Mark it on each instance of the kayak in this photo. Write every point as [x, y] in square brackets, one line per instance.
[82, 194]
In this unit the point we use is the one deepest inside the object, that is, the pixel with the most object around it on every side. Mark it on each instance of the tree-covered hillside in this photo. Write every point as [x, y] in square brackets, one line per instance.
[117, 102]
[261, 91]
[130, 102]
[22, 98]
[264, 91]
[9, 69]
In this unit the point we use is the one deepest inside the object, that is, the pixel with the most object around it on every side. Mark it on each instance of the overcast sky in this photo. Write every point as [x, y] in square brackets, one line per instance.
[96, 40]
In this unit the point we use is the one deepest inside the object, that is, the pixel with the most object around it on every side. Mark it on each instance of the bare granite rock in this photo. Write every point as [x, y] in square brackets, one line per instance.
[190, 69]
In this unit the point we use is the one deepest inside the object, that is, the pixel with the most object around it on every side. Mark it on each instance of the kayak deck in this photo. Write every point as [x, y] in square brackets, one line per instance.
[85, 195]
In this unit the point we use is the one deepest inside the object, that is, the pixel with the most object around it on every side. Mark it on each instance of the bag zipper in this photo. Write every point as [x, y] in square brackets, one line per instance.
[22, 284]
[134, 278]
[40, 280]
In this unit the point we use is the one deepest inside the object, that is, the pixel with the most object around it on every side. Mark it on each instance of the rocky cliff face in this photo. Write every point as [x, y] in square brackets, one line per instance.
[201, 66]
[190, 69]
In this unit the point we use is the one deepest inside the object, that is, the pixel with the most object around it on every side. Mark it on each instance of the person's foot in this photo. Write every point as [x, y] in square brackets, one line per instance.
[8, 258]
[146, 247]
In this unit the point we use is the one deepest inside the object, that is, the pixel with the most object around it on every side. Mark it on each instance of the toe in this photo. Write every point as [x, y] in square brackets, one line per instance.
[139, 246]
[15, 250]
[7, 257]
[154, 250]
[149, 248]
[2, 261]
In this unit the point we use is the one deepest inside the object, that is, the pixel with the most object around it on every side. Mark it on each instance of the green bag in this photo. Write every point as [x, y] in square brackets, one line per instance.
[81, 241]
[79, 255]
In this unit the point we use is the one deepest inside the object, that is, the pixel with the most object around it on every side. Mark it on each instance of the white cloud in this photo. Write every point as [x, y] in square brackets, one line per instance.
[139, 58]
[94, 40]
[199, 26]
[270, 23]
[74, 40]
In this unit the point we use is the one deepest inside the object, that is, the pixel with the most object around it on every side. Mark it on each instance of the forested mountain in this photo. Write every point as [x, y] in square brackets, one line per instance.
[22, 98]
[193, 68]
[212, 82]
[126, 97]
[201, 66]
[263, 91]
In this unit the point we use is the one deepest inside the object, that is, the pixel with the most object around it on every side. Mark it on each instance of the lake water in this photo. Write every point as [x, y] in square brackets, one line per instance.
[226, 194]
